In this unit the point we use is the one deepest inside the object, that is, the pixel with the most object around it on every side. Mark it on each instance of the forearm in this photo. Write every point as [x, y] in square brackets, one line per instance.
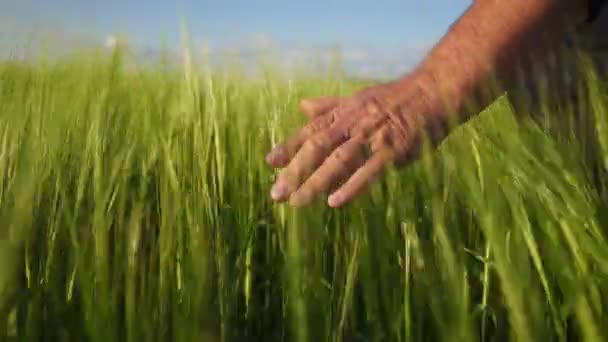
[492, 43]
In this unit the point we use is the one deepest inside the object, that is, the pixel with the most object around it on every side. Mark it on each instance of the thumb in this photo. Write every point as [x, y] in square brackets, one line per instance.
[318, 106]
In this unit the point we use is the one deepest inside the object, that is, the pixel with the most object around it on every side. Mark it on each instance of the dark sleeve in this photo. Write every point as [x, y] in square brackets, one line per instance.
[594, 9]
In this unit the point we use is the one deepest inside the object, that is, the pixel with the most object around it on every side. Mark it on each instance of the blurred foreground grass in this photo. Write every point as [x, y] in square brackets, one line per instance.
[134, 207]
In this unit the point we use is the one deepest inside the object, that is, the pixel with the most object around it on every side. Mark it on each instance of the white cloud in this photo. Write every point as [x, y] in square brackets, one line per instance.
[356, 55]
[111, 41]
[360, 61]
[261, 41]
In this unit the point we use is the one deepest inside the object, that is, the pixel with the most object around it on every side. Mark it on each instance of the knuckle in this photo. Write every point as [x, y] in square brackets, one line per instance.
[403, 126]
[325, 141]
[395, 139]
[386, 144]
[310, 128]
[314, 126]
[339, 156]
[372, 107]
[343, 158]
[382, 139]
[325, 120]
[316, 144]
[368, 126]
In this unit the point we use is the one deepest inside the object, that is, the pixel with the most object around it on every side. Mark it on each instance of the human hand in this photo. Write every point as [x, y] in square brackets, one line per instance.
[350, 141]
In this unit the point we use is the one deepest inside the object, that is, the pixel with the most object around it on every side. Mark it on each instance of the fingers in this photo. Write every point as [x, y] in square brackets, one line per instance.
[362, 178]
[318, 106]
[283, 153]
[308, 158]
[335, 169]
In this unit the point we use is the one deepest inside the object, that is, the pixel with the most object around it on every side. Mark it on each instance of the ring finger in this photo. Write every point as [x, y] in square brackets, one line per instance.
[282, 154]
[337, 168]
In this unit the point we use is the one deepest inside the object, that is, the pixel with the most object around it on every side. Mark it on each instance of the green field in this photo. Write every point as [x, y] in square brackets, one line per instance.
[134, 206]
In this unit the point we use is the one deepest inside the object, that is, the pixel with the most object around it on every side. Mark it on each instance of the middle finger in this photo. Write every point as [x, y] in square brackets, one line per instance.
[309, 157]
[334, 170]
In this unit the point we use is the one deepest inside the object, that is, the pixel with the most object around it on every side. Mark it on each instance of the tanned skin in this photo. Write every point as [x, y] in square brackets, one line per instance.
[350, 141]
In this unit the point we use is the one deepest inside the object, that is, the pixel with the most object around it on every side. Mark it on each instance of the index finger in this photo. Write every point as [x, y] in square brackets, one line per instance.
[282, 154]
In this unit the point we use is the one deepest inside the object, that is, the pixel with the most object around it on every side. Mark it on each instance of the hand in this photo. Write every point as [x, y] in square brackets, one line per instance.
[349, 142]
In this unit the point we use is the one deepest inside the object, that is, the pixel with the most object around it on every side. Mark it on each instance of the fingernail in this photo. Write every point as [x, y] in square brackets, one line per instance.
[334, 200]
[270, 157]
[279, 191]
[274, 155]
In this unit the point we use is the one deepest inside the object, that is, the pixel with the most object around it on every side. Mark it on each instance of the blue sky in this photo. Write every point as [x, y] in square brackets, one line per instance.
[369, 31]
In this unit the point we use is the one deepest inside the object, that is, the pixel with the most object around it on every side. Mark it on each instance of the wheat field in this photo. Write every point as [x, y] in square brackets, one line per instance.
[134, 206]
